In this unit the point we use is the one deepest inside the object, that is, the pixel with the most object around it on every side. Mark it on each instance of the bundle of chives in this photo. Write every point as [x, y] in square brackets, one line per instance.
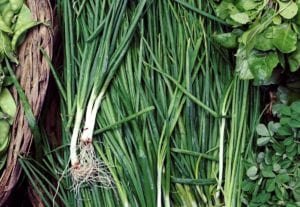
[90, 67]
[169, 125]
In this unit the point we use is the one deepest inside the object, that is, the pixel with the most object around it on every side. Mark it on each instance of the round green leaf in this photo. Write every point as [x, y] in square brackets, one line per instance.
[284, 38]
[252, 171]
[288, 10]
[262, 130]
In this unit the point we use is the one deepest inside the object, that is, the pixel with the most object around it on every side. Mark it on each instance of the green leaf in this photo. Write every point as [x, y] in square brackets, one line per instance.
[260, 157]
[273, 127]
[4, 132]
[225, 8]
[262, 141]
[285, 163]
[288, 10]
[285, 131]
[242, 66]
[279, 148]
[295, 106]
[268, 157]
[248, 5]
[23, 24]
[288, 141]
[292, 147]
[276, 167]
[248, 186]
[262, 197]
[282, 178]
[270, 185]
[285, 110]
[7, 104]
[5, 47]
[294, 59]
[284, 38]
[277, 20]
[227, 40]
[296, 194]
[4, 27]
[264, 40]
[267, 172]
[252, 171]
[241, 17]
[294, 123]
[262, 64]
[262, 130]
[285, 120]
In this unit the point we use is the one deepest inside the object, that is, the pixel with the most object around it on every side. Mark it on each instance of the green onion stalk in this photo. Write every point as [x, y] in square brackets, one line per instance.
[100, 60]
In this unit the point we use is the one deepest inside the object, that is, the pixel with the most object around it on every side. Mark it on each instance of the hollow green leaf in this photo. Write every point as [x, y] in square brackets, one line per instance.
[284, 38]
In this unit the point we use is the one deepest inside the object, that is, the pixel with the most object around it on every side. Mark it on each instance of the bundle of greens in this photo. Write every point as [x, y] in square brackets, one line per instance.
[265, 34]
[170, 130]
[273, 173]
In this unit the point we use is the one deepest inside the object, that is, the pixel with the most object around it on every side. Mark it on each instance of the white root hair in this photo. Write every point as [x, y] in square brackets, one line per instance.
[90, 170]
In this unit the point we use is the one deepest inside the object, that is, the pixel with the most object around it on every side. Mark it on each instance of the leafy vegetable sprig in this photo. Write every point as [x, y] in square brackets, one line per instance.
[265, 33]
[273, 175]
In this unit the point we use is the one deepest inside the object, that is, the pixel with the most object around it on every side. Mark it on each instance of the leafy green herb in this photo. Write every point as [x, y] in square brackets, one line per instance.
[278, 176]
[269, 35]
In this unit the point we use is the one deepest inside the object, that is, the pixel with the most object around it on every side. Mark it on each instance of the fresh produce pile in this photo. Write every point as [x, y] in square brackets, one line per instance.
[15, 20]
[155, 111]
